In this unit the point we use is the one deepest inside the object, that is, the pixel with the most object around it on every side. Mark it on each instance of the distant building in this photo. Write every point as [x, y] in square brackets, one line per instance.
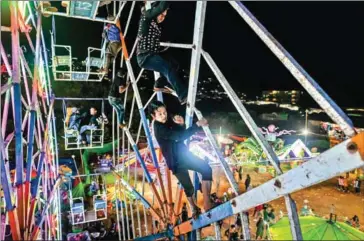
[282, 96]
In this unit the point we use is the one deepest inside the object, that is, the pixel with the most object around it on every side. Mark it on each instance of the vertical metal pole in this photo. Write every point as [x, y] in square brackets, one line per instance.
[7, 95]
[194, 73]
[306, 126]
[17, 113]
[122, 214]
[31, 126]
[116, 196]
[195, 59]
[144, 211]
[8, 194]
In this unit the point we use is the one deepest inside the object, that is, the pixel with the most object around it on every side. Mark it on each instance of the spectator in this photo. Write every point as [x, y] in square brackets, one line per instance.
[240, 172]
[247, 182]
[260, 229]
[345, 184]
[184, 215]
[357, 184]
[272, 216]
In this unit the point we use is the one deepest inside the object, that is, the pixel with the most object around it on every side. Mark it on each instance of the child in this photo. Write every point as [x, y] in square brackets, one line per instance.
[112, 35]
[118, 86]
[170, 136]
[148, 49]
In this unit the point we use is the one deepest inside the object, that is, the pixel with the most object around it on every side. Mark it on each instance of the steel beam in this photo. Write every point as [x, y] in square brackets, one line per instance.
[312, 87]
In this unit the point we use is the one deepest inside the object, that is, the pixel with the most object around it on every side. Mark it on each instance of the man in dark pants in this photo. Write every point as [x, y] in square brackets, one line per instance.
[170, 136]
[148, 49]
[118, 86]
[112, 36]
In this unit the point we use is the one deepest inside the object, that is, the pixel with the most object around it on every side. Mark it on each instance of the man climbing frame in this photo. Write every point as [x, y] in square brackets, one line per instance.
[170, 135]
[149, 49]
[118, 86]
[111, 34]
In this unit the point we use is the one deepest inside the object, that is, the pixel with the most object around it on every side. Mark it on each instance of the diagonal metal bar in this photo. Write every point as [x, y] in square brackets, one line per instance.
[228, 173]
[312, 87]
[268, 150]
[5, 88]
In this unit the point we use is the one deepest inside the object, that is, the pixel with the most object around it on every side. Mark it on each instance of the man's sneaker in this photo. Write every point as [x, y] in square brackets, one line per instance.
[110, 18]
[122, 125]
[160, 83]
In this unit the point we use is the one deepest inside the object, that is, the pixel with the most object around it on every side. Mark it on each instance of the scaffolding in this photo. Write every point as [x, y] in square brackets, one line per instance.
[341, 158]
[37, 191]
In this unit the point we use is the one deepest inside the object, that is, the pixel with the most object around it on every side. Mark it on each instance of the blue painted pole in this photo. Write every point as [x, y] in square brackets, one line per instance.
[18, 134]
[149, 137]
[4, 182]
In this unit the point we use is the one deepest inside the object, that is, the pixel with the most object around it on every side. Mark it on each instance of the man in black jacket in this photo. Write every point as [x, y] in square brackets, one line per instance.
[170, 136]
[148, 49]
[118, 86]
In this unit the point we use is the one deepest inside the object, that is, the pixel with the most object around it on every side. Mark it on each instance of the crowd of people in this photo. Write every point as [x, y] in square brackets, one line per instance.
[343, 184]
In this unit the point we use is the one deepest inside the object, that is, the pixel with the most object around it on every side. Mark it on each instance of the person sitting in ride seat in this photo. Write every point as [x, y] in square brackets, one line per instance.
[170, 136]
[118, 86]
[148, 48]
[112, 36]
[93, 124]
[75, 119]
[94, 188]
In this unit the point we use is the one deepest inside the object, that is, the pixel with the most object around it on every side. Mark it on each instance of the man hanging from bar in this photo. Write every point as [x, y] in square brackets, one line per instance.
[149, 49]
[170, 135]
[111, 34]
[118, 86]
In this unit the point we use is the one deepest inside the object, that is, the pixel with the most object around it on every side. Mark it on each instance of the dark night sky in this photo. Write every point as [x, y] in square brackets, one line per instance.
[326, 38]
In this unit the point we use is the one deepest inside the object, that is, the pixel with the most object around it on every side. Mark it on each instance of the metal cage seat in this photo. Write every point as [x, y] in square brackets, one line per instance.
[87, 10]
[72, 134]
[63, 63]
[77, 210]
[100, 206]
[72, 142]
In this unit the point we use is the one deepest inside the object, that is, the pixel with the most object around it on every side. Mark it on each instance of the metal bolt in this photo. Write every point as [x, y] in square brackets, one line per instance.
[352, 147]
[278, 184]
